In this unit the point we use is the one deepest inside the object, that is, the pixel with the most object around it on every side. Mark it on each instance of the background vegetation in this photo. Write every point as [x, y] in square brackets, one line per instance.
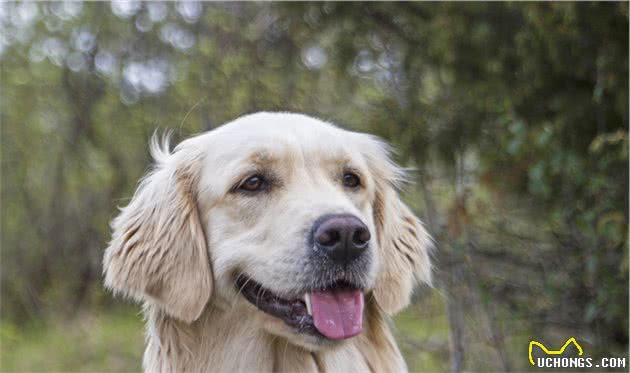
[514, 116]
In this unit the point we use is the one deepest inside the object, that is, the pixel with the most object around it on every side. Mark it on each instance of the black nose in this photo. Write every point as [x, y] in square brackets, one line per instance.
[342, 238]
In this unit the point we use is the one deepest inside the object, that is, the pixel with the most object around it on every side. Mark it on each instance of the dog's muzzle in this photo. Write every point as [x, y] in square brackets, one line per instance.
[332, 300]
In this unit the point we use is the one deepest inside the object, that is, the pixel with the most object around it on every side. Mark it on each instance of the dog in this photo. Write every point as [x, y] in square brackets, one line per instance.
[276, 242]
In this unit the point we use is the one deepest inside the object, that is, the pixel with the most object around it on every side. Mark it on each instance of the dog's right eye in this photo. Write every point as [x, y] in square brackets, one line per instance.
[253, 184]
[351, 180]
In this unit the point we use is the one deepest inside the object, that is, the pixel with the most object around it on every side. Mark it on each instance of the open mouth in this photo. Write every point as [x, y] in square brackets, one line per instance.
[334, 312]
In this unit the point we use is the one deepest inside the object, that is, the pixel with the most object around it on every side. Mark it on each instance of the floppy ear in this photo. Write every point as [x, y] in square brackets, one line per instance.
[403, 242]
[158, 250]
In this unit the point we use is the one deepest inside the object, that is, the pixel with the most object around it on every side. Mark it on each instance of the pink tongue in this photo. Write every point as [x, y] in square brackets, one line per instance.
[338, 314]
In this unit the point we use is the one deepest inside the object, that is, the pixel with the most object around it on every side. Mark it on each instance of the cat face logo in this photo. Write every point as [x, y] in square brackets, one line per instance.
[553, 352]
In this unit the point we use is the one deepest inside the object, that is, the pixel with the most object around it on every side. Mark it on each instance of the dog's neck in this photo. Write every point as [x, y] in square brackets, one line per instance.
[222, 341]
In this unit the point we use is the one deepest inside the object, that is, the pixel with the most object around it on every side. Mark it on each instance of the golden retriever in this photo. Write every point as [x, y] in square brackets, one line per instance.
[276, 242]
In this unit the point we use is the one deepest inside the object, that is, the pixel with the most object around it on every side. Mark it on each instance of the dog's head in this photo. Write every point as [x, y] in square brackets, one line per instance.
[278, 215]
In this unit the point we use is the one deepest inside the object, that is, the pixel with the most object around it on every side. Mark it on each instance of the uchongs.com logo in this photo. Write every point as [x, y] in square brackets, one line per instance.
[554, 358]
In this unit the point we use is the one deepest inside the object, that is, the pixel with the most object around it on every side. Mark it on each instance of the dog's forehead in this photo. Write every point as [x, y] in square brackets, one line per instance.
[281, 125]
[263, 136]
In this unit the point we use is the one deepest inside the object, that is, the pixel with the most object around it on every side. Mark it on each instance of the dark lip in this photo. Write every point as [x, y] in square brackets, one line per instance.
[292, 311]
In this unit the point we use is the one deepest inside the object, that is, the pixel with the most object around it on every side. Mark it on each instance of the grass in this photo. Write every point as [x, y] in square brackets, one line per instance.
[422, 334]
[107, 342]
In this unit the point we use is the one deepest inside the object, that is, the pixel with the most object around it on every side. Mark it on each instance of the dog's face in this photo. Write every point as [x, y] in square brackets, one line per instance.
[284, 218]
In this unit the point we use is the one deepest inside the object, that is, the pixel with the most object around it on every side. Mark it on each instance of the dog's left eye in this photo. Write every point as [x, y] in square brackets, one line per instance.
[253, 184]
[351, 180]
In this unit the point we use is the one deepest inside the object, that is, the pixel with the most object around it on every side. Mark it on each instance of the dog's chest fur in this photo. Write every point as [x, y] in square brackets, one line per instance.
[224, 342]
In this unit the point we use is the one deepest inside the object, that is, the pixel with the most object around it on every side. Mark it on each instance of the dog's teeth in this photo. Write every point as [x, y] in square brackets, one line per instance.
[307, 300]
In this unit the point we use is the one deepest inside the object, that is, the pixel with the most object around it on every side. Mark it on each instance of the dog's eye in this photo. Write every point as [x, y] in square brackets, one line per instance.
[253, 183]
[351, 180]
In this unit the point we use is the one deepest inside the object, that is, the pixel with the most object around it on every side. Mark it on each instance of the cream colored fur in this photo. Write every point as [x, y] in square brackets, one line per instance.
[185, 236]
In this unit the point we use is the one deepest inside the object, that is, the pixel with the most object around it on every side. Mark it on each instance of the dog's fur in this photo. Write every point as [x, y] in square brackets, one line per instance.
[186, 234]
